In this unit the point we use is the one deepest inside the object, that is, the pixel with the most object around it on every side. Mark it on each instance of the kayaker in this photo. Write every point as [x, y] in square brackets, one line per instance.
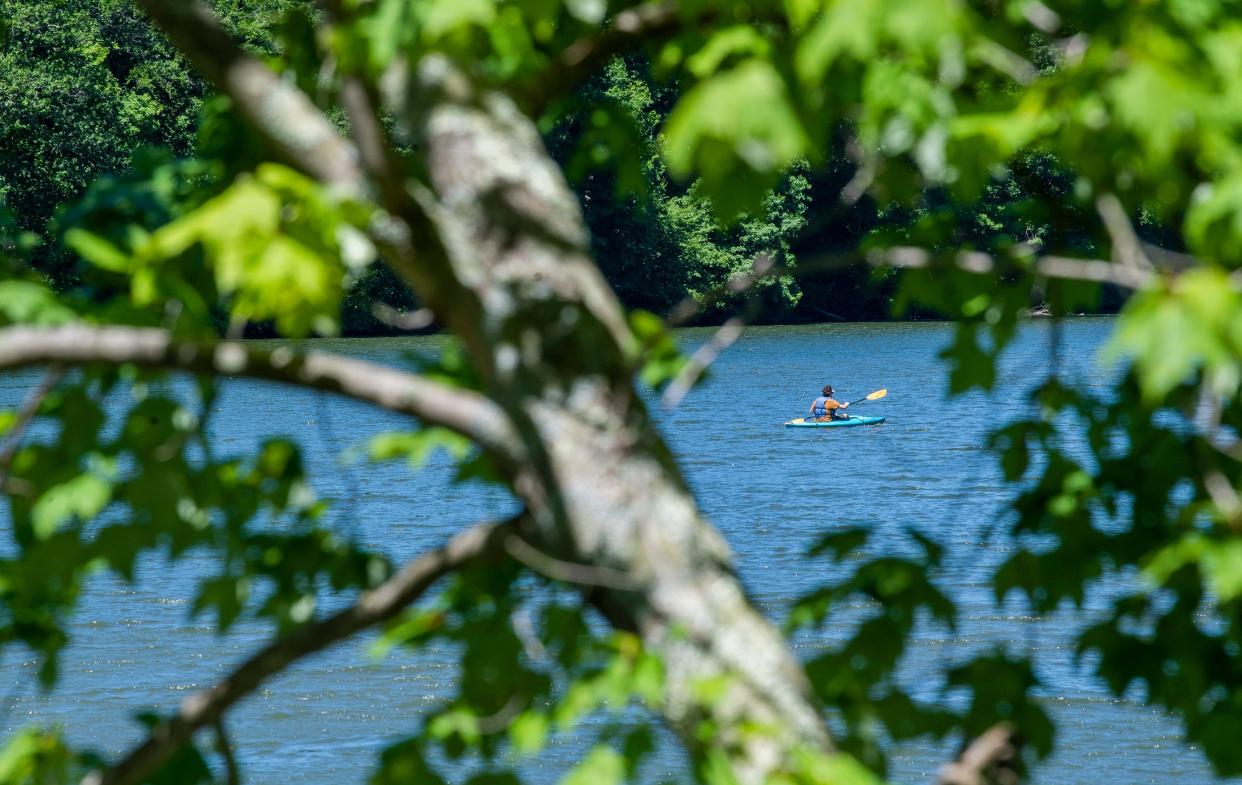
[825, 407]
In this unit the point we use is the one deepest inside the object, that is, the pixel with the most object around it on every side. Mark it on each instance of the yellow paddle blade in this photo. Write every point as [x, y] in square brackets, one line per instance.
[877, 395]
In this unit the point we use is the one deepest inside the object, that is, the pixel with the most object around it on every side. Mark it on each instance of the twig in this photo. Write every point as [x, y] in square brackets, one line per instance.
[375, 606]
[1007, 61]
[26, 415]
[403, 320]
[1127, 249]
[706, 354]
[857, 187]
[1223, 496]
[1096, 270]
[463, 411]
[232, 774]
[1041, 17]
[763, 266]
[989, 759]
[495, 723]
[556, 569]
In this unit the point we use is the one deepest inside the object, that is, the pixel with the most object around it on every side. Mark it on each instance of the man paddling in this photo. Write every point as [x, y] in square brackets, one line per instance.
[825, 407]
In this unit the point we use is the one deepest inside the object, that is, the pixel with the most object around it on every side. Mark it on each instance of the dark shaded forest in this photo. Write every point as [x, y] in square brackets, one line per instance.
[90, 91]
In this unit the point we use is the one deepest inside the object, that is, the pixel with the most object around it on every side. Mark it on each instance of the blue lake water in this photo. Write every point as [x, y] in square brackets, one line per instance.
[771, 491]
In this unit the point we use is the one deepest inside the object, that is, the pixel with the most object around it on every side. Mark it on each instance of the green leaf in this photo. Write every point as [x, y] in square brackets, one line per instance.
[459, 722]
[403, 764]
[275, 241]
[439, 19]
[82, 498]
[602, 766]
[737, 130]
[23, 302]
[819, 768]
[34, 756]
[529, 732]
[648, 679]
[417, 446]
[726, 43]
[98, 251]
[413, 626]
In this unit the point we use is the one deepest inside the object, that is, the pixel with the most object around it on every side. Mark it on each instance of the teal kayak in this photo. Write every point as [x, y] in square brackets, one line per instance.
[846, 423]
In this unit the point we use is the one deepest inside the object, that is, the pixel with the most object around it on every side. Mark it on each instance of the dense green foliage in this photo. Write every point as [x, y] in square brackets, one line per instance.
[952, 116]
[90, 85]
[84, 84]
[657, 240]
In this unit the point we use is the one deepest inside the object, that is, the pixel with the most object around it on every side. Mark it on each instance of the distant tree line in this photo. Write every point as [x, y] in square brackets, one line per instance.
[90, 88]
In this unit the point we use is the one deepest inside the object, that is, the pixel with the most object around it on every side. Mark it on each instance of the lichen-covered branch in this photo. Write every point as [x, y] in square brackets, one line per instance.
[562, 359]
[205, 708]
[434, 403]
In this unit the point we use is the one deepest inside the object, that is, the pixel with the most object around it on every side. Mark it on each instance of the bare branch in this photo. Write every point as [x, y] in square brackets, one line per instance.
[286, 119]
[232, 775]
[419, 319]
[1127, 249]
[380, 604]
[722, 339]
[1008, 62]
[463, 411]
[990, 759]
[30, 407]
[762, 267]
[1096, 270]
[1041, 17]
[559, 570]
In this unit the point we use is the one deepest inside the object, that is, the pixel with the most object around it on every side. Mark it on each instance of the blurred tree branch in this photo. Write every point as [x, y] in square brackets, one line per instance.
[1094, 270]
[460, 410]
[991, 758]
[26, 414]
[205, 708]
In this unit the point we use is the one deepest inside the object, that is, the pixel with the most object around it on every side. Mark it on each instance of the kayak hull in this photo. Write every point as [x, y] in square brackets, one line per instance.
[846, 423]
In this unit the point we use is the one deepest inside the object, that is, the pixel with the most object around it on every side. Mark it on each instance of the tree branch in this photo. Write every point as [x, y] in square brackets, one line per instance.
[232, 773]
[463, 411]
[1127, 249]
[286, 119]
[689, 375]
[989, 759]
[30, 408]
[290, 124]
[1097, 270]
[559, 570]
[380, 604]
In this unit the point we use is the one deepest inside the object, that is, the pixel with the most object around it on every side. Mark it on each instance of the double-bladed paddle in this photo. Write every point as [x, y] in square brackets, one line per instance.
[875, 396]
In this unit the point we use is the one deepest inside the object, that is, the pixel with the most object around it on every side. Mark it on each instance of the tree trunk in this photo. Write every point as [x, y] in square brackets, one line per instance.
[555, 348]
